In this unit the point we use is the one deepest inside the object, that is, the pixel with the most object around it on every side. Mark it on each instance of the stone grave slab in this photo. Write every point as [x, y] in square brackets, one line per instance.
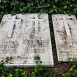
[24, 37]
[65, 30]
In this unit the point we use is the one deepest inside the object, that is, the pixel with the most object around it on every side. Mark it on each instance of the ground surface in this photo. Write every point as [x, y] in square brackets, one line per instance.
[59, 68]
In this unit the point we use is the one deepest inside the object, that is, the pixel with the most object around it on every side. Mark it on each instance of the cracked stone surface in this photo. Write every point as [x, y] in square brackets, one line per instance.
[65, 30]
[23, 37]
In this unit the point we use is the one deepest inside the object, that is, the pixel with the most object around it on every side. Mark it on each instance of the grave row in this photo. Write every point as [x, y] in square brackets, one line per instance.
[23, 37]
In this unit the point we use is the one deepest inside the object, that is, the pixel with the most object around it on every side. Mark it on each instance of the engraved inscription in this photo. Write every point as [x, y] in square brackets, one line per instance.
[7, 46]
[37, 43]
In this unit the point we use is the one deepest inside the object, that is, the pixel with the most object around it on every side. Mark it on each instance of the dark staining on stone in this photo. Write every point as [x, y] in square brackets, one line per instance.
[65, 43]
[39, 43]
[14, 26]
[24, 62]
[3, 22]
[40, 18]
[64, 31]
[33, 18]
[17, 17]
[18, 56]
[32, 33]
[60, 18]
[58, 31]
[35, 43]
[70, 46]
[39, 28]
[33, 23]
[45, 28]
[64, 36]
[70, 28]
[56, 19]
[70, 19]
[31, 36]
[21, 20]
[13, 30]
[44, 20]
[30, 43]
[26, 25]
[61, 35]
[36, 50]
[11, 63]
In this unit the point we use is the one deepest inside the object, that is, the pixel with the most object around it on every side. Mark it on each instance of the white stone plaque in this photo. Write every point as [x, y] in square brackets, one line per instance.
[65, 30]
[24, 37]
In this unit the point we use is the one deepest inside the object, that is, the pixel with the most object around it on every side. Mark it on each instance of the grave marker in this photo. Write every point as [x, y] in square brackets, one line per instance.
[24, 37]
[65, 30]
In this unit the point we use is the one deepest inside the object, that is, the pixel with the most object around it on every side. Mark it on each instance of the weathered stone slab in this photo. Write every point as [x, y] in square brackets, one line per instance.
[24, 37]
[65, 30]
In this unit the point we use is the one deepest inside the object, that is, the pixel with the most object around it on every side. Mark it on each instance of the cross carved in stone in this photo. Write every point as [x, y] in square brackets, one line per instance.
[11, 25]
[66, 26]
[36, 20]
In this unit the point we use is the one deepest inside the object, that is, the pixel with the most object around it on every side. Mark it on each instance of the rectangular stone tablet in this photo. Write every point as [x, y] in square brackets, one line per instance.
[24, 37]
[65, 30]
